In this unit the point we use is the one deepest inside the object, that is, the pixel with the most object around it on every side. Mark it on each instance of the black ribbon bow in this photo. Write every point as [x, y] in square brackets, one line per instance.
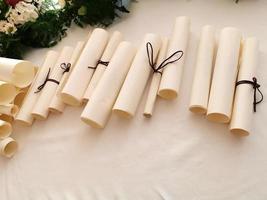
[164, 63]
[40, 87]
[66, 67]
[256, 87]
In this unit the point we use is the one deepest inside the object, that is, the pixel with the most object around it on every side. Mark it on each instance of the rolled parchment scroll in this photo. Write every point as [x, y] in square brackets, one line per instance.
[98, 109]
[41, 107]
[8, 147]
[112, 45]
[203, 71]
[224, 76]
[172, 75]
[155, 82]
[137, 77]
[75, 56]
[242, 117]
[24, 115]
[75, 87]
[18, 72]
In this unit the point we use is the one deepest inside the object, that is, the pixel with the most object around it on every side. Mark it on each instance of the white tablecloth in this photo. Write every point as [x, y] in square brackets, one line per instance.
[173, 155]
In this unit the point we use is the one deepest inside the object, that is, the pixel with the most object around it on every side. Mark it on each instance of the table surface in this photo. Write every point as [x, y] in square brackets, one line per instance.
[173, 155]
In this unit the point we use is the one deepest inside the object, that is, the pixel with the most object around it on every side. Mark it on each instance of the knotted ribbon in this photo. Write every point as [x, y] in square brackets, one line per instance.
[40, 87]
[164, 63]
[256, 87]
[66, 67]
[105, 63]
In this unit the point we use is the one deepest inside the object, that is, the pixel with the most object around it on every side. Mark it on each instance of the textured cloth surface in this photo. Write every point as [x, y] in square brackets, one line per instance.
[173, 155]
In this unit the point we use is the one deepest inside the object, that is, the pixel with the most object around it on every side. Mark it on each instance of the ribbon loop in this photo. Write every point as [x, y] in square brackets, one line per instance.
[66, 67]
[256, 87]
[164, 63]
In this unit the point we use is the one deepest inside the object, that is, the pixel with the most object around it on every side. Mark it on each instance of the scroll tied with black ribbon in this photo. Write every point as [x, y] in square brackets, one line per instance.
[49, 87]
[162, 62]
[102, 63]
[247, 90]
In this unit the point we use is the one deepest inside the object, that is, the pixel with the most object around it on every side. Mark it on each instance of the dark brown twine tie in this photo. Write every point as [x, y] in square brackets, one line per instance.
[66, 67]
[164, 63]
[40, 87]
[105, 63]
[256, 87]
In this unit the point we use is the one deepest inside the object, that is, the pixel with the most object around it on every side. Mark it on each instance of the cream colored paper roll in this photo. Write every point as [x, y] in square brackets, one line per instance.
[18, 72]
[113, 43]
[203, 71]
[18, 100]
[243, 103]
[9, 109]
[75, 56]
[154, 86]
[172, 74]
[57, 105]
[136, 80]
[24, 115]
[41, 107]
[5, 129]
[7, 93]
[80, 77]
[8, 147]
[224, 76]
[98, 109]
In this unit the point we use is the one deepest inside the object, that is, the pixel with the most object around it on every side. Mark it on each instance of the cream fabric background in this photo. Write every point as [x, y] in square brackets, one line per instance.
[174, 155]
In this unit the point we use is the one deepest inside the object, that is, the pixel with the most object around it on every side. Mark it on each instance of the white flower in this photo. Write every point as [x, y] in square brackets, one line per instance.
[22, 13]
[7, 27]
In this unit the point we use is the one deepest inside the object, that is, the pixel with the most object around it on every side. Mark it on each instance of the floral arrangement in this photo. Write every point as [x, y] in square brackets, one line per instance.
[43, 23]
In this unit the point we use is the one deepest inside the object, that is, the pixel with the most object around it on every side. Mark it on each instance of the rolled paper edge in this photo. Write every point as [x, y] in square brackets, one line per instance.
[6, 129]
[55, 110]
[8, 147]
[30, 76]
[239, 131]
[69, 99]
[122, 113]
[198, 109]
[25, 122]
[168, 94]
[39, 116]
[218, 117]
[18, 100]
[92, 123]
[7, 118]
[14, 110]
[147, 114]
[12, 95]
